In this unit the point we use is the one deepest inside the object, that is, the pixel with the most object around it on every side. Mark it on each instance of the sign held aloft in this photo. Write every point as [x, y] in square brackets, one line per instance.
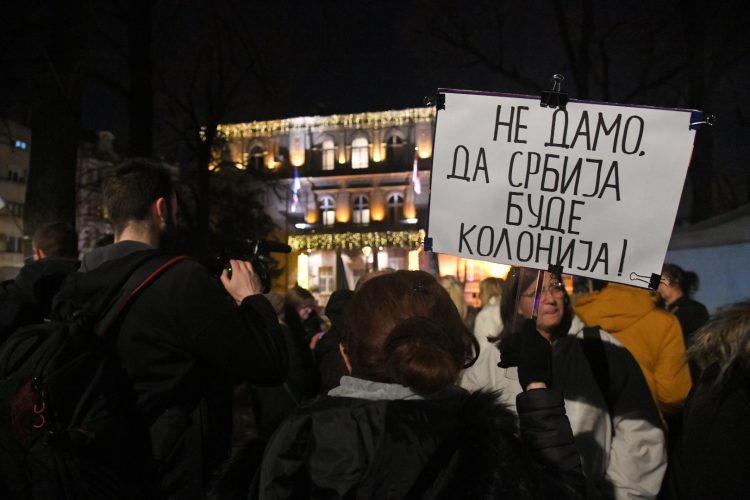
[593, 188]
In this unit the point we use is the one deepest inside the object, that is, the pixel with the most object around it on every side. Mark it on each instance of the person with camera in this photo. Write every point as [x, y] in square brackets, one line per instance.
[183, 340]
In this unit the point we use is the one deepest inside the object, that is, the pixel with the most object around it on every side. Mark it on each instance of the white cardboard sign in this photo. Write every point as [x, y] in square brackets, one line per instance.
[593, 188]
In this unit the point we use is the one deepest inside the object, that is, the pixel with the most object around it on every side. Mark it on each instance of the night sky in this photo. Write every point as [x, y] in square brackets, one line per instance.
[263, 60]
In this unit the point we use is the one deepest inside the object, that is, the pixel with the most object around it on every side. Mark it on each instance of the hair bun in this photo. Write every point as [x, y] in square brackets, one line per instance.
[421, 355]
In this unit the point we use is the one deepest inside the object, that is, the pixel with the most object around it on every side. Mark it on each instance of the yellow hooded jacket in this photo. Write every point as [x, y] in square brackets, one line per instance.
[652, 336]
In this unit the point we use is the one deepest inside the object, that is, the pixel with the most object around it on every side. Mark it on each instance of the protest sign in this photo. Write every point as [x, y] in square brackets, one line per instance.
[593, 188]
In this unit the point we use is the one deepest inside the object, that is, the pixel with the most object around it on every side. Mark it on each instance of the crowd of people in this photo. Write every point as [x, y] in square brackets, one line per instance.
[397, 389]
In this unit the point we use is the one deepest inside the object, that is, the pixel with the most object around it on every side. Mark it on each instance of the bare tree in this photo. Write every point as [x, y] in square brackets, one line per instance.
[661, 53]
[197, 101]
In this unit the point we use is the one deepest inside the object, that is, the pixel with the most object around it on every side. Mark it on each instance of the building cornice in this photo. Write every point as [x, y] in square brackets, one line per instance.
[379, 119]
[356, 240]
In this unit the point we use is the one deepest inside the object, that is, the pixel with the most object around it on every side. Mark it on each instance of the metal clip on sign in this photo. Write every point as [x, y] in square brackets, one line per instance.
[554, 98]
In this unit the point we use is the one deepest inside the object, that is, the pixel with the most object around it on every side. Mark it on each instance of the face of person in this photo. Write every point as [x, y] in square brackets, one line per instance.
[668, 291]
[551, 307]
[304, 312]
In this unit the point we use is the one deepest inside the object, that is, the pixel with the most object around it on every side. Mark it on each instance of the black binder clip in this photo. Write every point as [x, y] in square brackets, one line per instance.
[553, 98]
[653, 281]
[438, 101]
[698, 118]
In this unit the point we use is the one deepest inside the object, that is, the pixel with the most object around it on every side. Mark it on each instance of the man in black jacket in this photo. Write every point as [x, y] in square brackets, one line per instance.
[27, 299]
[183, 339]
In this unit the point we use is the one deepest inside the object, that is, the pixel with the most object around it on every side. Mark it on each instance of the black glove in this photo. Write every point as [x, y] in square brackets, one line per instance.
[531, 352]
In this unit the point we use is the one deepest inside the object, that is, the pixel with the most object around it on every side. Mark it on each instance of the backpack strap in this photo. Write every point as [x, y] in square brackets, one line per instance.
[144, 274]
[140, 279]
[593, 348]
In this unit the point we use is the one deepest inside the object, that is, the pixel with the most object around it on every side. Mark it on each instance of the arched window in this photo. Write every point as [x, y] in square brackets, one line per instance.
[327, 210]
[361, 206]
[395, 204]
[329, 154]
[360, 153]
[255, 159]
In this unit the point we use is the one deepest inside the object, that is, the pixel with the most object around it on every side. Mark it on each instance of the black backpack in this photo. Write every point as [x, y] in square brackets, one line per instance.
[68, 426]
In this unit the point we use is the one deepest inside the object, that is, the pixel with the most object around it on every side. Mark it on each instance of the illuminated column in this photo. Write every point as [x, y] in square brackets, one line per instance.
[297, 146]
[311, 213]
[377, 205]
[410, 204]
[378, 148]
[343, 210]
[424, 139]
[303, 270]
[413, 264]
[237, 155]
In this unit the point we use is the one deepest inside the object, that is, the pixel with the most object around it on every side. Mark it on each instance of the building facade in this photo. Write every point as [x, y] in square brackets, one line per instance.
[349, 192]
[15, 150]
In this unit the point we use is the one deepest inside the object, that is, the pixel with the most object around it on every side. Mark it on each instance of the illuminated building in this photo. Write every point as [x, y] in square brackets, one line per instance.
[15, 150]
[350, 192]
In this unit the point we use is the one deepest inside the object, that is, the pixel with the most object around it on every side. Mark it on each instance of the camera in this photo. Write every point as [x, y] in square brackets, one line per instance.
[256, 251]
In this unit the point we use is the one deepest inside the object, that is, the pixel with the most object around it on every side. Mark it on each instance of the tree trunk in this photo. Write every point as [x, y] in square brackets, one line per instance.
[51, 189]
[141, 96]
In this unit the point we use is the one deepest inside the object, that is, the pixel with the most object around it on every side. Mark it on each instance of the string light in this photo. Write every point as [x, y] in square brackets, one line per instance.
[356, 241]
[381, 119]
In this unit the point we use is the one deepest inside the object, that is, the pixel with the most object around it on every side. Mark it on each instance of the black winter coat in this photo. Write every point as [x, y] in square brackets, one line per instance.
[181, 343]
[712, 459]
[27, 299]
[453, 445]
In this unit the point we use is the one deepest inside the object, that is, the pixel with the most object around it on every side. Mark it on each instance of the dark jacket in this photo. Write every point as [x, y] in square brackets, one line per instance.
[712, 458]
[691, 315]
[452, 445]
[327, 354]
[181, 343]
[271, 405]
[27, 299]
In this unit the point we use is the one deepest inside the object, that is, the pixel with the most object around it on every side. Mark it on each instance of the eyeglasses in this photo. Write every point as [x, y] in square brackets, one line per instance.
[556, 289]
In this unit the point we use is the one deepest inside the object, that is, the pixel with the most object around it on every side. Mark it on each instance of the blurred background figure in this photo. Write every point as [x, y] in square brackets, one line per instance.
[271, 405]
[326, 351]
[259, 410]
[488, 322]
[467, 313]
[653, 337]
[301, 314]
[676, 290]
[27, 299]
[712, 458]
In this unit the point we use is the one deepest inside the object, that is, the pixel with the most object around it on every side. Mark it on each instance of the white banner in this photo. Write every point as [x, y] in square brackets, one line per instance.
[593, 188]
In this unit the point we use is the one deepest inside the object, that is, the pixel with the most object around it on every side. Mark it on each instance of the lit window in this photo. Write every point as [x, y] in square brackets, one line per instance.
[360, 153]
[395, 207]
[327, 210]
[21, 145]
[393, 145]
[255, 159]
[329, 154]
[325, 279]
[361, 207]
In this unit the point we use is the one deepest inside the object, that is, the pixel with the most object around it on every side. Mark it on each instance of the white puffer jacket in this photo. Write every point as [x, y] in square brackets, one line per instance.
[624, 456]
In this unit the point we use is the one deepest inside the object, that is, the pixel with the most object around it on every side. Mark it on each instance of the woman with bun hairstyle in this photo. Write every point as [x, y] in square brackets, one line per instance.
[676, 290]
[399, 427]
